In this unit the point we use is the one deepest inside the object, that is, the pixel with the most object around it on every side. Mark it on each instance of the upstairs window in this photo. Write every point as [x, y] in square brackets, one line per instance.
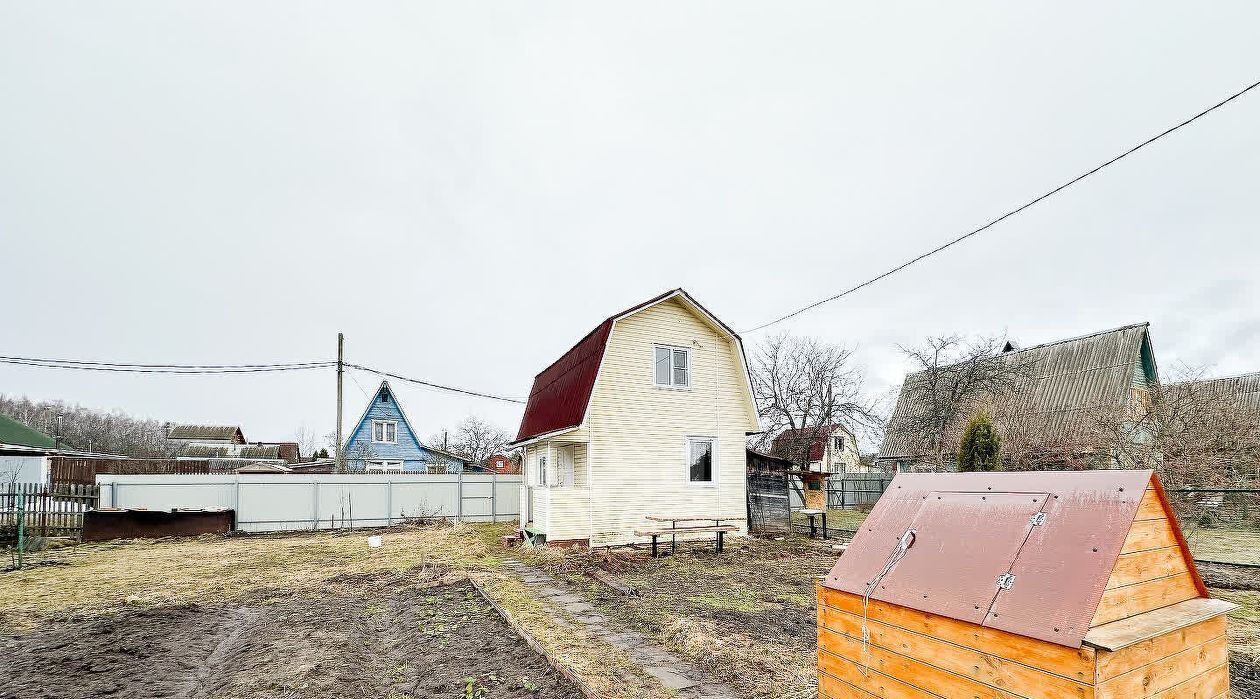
[672, 366]
[384, 431]
[838, 443]
[384, 397]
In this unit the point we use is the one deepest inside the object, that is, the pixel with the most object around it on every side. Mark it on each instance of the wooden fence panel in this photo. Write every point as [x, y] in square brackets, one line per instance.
[84, 470]
[46, 509]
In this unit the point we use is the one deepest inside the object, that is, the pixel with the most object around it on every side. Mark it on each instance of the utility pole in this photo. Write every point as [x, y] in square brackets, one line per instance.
[340, 460]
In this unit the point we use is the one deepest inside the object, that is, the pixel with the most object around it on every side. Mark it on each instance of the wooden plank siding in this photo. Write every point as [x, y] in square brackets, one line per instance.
[1167, 674]
[1151, 571]
[928, 652]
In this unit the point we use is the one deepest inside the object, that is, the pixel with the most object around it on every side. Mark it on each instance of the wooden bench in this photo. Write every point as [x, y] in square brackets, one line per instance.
[674, 530]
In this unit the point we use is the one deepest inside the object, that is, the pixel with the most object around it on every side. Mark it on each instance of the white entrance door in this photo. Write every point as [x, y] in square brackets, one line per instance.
[565, 464]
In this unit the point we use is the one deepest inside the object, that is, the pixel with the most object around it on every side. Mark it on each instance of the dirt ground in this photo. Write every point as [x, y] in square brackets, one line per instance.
[748, 616]
[322, 615]
[394, 636]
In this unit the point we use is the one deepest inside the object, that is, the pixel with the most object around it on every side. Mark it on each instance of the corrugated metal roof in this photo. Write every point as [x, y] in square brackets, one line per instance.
[1068, 380]
[206, 432]
[971, 528]
[561, 392]
[231, 451]
[1245, 387]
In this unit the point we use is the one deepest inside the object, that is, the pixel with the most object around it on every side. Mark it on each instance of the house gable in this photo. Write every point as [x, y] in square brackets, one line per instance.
[561, 395]
[1068, 380]
[407, 448]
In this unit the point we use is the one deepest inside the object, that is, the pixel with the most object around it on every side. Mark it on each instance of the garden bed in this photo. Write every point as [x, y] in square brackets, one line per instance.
[391, 635]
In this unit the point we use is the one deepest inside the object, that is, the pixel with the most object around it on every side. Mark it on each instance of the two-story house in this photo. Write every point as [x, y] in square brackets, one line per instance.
[646, 415]
[383, 441]
[827, 448]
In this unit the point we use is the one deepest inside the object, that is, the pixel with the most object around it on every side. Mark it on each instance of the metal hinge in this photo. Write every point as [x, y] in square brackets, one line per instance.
[1038, 519]
[1005, 581]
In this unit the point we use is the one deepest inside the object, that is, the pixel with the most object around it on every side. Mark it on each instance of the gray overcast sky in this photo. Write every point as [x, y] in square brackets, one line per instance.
[466, 188]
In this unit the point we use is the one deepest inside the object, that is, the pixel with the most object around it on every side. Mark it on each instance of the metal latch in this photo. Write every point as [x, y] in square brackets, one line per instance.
[1038, 519]
[1005, 581]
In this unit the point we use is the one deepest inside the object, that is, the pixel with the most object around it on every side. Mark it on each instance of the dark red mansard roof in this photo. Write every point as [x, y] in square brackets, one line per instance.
[561, 391]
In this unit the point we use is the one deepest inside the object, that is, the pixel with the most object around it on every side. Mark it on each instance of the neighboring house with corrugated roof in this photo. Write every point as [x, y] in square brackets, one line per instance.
[1061, 388]
[831, 449]
[384, 441]
[24, 452]
[207, 434]
[646, 415]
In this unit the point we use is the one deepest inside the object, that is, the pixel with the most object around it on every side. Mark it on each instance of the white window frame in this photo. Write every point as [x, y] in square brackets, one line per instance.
[383, 424]
[837, 438]
[672, 368]
[540, 464]
[713, 457]
[383, 465]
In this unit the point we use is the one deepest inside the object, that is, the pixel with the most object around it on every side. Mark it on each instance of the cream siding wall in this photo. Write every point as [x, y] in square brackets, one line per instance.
[638, 431]
[562, 512]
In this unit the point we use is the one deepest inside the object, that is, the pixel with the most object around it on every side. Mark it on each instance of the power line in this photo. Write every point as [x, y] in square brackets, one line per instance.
[88, 363]
[430, 384]
[161, 369]
[1010, 213]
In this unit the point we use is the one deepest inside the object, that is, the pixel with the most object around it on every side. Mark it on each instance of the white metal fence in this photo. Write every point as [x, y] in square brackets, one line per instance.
[281, 502]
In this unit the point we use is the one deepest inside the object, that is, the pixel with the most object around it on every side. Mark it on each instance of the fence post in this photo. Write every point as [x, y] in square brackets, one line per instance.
[314, 502]
[21, 525]
[494, 496]
[389, 501]
[459, 498]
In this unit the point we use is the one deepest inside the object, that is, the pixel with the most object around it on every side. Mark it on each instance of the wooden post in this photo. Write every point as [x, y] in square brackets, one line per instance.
[340, 459]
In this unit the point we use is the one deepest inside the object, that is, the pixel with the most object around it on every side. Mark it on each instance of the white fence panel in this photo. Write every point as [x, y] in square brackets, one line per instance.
[265, 502]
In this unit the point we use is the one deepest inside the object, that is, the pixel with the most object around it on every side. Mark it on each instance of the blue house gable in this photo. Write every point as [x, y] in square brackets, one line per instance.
[385, 441]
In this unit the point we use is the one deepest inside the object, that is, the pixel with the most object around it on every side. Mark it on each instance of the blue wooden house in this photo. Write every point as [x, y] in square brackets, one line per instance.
[383, 441]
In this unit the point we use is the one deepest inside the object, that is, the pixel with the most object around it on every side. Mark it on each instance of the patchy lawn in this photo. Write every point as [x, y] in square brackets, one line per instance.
[301, 615]
[1229, 545]
[748, 616]
[836, 519]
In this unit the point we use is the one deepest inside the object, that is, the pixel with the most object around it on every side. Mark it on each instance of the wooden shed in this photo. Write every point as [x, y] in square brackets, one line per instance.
[1026, 584]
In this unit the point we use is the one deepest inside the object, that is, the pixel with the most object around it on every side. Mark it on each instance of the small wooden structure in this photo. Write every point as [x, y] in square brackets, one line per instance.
[691, 525]
[1048, 585]
[815, 483]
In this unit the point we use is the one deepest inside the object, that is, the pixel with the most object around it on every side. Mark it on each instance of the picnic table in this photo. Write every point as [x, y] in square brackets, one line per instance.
[674, 530]
[813, 531]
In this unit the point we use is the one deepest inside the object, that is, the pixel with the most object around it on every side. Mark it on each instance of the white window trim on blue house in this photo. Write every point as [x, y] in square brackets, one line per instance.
[388, 431]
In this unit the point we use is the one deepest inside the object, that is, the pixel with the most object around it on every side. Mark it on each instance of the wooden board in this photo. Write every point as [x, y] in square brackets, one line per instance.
[1071, 663]
[1158, 622]
[1112, 664]
[1166, 673]
[1149, 534]
[966, 662]
[1131, 600]
[1141, 566]
[1150, 507]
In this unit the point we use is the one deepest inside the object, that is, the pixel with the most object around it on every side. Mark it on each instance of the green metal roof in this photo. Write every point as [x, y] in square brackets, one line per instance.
[14, 432]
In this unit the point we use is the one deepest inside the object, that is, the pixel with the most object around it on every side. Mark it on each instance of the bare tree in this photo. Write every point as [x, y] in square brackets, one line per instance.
[306, 440]
[478, 440]
[91, 430]
[954, 377]
[805, 385]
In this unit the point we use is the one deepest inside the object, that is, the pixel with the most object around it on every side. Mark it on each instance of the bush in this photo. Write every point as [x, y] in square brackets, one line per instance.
[981, 448]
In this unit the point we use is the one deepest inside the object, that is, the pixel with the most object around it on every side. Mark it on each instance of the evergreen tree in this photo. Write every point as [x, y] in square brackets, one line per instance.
[981, 448]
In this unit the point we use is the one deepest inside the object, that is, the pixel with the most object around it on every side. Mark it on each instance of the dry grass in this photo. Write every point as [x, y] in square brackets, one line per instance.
[102, 578]
[836, 519]
[1229, 545]
[746, 616]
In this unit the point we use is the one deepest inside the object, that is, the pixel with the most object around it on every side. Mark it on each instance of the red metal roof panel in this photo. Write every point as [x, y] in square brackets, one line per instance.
[980, 530]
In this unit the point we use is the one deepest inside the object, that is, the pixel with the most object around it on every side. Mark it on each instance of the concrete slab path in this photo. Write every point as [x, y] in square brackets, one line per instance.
[669, 669]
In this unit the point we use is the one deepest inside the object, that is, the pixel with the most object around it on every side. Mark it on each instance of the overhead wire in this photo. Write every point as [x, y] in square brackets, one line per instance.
[1008, 214]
